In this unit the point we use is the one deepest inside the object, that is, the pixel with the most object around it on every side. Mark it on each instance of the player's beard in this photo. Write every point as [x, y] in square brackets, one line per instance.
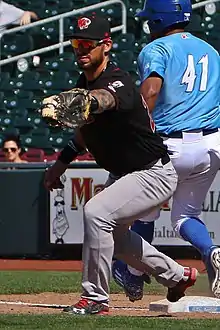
[93, 64]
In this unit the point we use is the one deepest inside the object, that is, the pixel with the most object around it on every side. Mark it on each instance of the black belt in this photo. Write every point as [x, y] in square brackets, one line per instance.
[165, 159]
[179, 134]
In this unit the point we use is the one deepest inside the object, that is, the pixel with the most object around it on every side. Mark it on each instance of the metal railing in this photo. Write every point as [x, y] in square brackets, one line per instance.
[60, 18]
[203, 3]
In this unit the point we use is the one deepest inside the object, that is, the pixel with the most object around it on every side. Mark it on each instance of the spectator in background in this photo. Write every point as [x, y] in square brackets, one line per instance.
[11, 148]
[11, 15]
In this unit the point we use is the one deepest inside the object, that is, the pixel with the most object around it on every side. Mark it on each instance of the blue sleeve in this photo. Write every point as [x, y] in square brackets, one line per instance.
[152, 59]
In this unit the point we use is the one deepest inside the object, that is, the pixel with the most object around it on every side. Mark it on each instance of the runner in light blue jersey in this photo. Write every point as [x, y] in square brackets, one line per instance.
[190, 68]
[180, 86]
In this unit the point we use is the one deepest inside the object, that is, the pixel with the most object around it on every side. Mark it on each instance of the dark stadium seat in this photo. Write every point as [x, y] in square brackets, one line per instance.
[80, 4]
[58, 141]
[26, 140]
[1, 96]
[28, 80]
[16, 44]
[51, 10]
[22, 124]
[19, 112]
[11, 130]
[62, 64]
[38, 138]
[3, 110]
[6, 83]
[6, 121]
[11, 102]
[124, 42]
[215, 42]
[134, 7]
[196, 27]
[114, 13]
[38, 7]
[216, 25]
[135, 77]
[126, 60]
[23, 94]
[50, 31]
[143, 41]
[65, 6]
[58, 81]
[35, 120]
[195, 24]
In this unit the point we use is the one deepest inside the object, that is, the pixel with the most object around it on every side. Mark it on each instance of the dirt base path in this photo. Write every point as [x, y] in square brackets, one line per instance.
[119, 305]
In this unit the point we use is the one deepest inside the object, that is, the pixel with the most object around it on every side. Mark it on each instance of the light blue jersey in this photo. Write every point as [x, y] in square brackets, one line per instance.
[190, 95]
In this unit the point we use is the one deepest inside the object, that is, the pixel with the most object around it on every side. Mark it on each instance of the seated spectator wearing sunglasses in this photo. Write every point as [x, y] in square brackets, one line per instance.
[11, 148]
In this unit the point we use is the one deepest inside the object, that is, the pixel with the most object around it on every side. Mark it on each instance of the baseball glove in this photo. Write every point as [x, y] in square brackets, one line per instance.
[67, 109]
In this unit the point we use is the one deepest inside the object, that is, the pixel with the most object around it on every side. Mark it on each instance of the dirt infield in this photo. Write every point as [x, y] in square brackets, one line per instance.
[68, 265]
[119, 303]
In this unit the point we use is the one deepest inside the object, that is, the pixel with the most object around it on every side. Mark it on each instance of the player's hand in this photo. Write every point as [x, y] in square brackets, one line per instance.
[52, 184]
[53, 174]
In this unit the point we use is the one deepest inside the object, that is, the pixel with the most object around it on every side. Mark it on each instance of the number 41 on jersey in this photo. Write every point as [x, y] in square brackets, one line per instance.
[190, 76]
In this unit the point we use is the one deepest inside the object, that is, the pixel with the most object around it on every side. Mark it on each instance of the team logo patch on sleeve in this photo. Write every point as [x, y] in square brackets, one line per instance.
[115, 84]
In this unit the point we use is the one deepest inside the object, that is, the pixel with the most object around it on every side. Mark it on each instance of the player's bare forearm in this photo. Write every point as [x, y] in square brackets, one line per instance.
[106, 100]
[150, 89]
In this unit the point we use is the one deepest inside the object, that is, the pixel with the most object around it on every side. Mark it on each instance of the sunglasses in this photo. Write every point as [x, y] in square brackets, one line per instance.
[89, 44]
[8, 149]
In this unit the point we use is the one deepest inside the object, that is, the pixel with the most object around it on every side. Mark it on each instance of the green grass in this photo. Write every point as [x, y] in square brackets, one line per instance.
[60, 322]
[65, 282]
[20, 282]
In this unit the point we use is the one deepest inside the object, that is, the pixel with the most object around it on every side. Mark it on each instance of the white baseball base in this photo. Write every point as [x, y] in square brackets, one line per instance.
[187, 304]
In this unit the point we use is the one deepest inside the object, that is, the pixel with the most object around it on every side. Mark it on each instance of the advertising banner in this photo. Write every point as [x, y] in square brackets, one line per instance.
[66, 209]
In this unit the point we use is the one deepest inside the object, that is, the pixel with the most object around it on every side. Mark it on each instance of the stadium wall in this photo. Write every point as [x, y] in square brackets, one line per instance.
[38, 224]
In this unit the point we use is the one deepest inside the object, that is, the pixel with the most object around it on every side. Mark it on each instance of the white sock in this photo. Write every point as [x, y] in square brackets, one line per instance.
[134, 271]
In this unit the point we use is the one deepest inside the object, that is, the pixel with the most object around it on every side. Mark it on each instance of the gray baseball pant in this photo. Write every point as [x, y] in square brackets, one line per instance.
[107, 217]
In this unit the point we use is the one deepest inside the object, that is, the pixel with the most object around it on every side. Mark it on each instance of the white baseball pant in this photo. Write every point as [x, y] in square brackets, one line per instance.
[196, 159]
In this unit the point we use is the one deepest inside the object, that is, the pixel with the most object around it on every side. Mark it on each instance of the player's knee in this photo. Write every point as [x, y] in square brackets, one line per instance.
[89, 212]
[95, 217]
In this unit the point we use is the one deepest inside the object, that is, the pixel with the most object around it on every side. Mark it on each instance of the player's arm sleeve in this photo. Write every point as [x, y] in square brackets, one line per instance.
[152, 60]
[120, 90]
[74, 147]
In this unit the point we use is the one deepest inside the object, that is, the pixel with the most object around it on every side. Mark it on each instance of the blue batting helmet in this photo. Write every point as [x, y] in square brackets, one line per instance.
[161, 14]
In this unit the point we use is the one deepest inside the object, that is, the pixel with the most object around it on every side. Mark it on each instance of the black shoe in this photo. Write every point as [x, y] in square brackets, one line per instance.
[86, 306]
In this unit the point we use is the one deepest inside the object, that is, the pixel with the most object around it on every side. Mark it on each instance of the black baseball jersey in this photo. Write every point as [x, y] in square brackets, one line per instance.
[121, 139]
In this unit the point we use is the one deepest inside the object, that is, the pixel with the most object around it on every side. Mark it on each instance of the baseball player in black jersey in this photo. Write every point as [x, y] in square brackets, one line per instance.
[119, 135]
